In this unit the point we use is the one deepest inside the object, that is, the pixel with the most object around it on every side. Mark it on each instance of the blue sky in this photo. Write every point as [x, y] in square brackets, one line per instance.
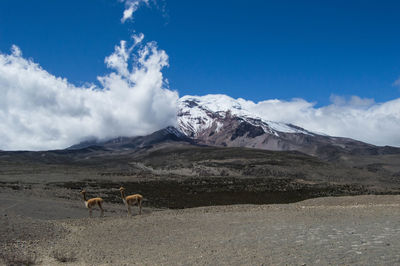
[252, 49]
[79, 69]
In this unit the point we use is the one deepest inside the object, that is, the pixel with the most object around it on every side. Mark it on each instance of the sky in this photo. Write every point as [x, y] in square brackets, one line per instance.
[66, 59]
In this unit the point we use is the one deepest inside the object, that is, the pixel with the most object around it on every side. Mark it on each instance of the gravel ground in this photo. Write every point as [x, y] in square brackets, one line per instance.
[360, 230]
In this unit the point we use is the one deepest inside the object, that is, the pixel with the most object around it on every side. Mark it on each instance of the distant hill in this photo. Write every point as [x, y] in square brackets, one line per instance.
[169, 134]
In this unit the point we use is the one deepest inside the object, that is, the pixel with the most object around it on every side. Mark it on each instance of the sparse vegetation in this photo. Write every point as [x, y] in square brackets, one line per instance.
[19, 258]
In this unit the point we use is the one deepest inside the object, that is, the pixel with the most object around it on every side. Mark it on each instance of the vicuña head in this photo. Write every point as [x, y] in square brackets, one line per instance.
[131, 200]
[90, 203]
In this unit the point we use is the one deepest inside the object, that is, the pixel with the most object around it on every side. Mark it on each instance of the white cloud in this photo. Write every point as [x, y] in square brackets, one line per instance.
[39, 111]
[357, 118]
[130, 8]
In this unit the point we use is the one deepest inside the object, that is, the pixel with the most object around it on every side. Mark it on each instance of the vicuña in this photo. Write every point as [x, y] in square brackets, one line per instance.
[131, 200]
[90, 203]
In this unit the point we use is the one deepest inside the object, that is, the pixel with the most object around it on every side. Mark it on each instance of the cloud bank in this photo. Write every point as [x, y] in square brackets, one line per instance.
[39, 111]
[354, 117]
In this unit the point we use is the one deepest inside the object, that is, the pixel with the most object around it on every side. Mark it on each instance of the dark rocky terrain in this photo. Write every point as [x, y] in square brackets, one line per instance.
[174, 173]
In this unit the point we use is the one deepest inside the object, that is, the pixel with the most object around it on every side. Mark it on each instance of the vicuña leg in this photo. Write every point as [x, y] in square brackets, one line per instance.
[101, 209]
[129, 209]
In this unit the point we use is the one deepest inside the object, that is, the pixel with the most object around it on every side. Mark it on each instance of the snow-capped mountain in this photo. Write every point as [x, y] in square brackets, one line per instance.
[198, 113]
[220, 120]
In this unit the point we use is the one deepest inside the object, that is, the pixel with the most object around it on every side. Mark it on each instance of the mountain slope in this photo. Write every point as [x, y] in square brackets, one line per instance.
[219, 120]
[169, 134]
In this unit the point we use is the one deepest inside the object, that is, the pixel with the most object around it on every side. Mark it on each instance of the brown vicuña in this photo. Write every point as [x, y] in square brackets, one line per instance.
[90, 203]
[131, 200]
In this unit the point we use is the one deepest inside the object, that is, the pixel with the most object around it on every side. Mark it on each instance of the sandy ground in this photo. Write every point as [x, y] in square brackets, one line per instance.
[360, 230]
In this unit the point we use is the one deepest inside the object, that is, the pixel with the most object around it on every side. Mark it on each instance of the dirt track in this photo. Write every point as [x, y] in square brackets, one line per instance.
[346, 230]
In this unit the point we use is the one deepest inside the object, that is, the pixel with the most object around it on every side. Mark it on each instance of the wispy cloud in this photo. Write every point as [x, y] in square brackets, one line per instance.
[131, 6]
[353, 100]
[397, 83]
[40, 111]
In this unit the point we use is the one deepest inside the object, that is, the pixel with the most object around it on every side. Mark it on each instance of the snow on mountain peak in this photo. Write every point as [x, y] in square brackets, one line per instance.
[197, 113]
